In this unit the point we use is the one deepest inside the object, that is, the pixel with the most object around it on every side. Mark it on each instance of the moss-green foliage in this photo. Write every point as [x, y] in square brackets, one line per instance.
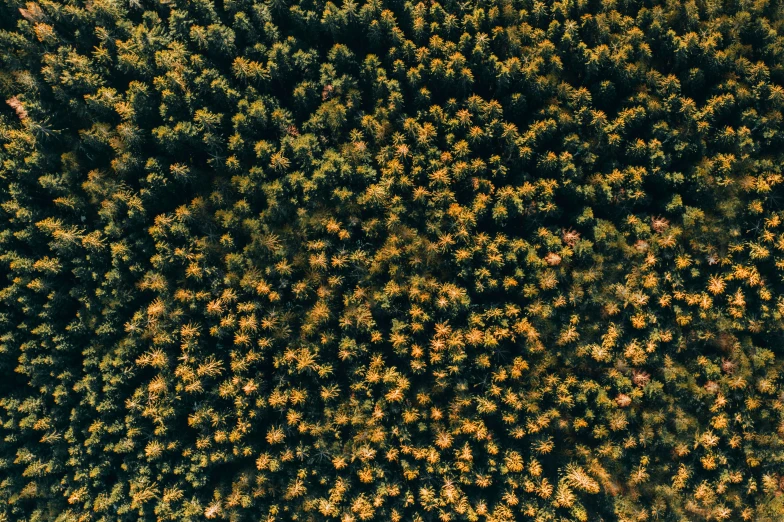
[502, 260]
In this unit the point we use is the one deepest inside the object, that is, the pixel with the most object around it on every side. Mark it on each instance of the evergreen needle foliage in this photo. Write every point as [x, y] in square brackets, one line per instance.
[391, 260]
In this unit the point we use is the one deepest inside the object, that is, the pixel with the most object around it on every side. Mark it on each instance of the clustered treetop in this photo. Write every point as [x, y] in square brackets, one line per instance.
[288, 260]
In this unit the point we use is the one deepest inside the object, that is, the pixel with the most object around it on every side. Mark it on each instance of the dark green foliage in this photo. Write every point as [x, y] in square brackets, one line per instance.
[294, 260]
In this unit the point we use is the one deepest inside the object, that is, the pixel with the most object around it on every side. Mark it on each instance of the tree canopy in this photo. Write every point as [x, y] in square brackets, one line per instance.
[298, 260]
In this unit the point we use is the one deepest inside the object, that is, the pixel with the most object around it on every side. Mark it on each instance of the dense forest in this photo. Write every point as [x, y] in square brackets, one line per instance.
[391, 260]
